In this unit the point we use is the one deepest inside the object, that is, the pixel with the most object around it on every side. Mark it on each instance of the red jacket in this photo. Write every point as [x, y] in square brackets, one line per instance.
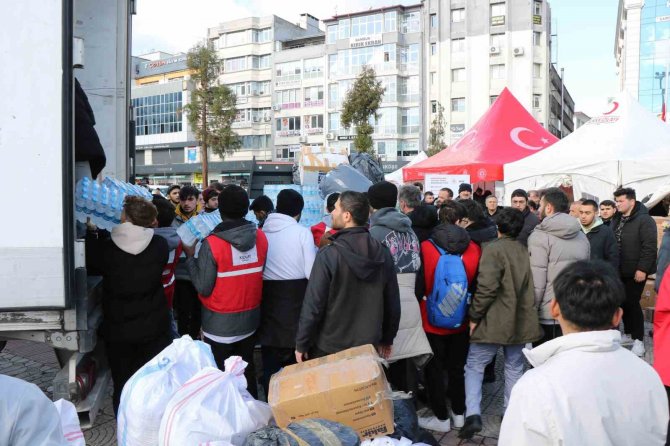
[430, 256]
[662, 331]
[168, 278]
[239, 284]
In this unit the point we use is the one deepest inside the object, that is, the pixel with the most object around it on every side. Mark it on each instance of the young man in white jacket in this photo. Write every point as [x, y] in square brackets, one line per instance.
[585, 389]
[291, 254]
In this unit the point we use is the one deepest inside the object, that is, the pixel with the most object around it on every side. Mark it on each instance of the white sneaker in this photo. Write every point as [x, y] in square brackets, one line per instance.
[432, 423]
[626, 339]
[457, 420]
[638, 348]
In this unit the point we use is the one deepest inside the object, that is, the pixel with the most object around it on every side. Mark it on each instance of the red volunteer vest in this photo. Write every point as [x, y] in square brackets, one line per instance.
[239, 281]
[168, 274]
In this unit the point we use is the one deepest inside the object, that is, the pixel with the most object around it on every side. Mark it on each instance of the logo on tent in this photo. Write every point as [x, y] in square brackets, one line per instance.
[614, 108]
[515, 136]
[481, 173]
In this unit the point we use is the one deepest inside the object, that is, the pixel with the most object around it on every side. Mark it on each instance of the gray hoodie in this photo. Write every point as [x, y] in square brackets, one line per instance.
[394, 230]
[555, 243]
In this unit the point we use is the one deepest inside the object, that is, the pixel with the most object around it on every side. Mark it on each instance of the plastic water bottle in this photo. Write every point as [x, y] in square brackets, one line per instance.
[100, 206]
[92, 201]
[81, 194]
[118, 206]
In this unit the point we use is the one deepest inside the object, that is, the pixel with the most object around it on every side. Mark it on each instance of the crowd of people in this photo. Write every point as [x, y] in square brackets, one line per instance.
[439, 284]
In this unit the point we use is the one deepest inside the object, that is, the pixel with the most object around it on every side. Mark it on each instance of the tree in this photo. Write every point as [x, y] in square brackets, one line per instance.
[436, 139]
[212, 110]
[362, 103]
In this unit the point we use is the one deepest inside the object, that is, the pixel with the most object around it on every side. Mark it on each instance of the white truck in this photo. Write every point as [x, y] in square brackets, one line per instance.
[45, 292]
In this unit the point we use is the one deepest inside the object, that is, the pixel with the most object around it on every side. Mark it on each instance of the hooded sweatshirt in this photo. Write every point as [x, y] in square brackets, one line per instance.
[554, 244]
[585, 389]
[291, 254]
[352, 297]
[242, 236]
[603, 243]
[393, 229]
[131, 263]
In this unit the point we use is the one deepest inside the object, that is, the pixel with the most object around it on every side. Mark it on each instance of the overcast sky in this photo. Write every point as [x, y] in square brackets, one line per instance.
[585, 44]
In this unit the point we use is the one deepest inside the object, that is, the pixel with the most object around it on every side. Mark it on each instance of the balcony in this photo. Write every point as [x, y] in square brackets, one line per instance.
[287, 133]
[289, 106]
[241, 125]
[313, 74]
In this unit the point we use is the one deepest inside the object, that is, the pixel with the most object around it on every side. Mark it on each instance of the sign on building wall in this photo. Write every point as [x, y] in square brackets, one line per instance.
[456, 132]
[163, 62]
[191, 155]
[363, 41]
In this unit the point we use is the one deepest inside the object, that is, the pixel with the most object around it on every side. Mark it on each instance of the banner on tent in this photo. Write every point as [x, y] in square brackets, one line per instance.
[436, 181]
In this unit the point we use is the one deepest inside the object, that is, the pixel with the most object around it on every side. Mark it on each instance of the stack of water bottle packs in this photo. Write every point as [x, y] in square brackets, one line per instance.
[312, 213]
[103, 202]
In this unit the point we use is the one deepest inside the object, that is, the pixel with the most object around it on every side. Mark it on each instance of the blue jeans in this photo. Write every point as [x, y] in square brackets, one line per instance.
[478, 358]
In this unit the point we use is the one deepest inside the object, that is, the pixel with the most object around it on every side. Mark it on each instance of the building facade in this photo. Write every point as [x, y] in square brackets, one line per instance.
[475, 48]
[561, 106]
[389, 40]
[581, 118]
[248, 48]
[642, 50]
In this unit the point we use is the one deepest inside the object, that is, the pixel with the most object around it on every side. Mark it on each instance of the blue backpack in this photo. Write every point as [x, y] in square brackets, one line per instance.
[448, 303]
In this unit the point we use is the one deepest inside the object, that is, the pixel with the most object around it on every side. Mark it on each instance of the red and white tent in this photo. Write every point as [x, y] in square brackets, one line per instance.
[506, 133]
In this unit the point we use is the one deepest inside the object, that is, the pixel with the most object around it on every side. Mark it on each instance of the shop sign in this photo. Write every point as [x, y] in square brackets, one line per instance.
[363, 41]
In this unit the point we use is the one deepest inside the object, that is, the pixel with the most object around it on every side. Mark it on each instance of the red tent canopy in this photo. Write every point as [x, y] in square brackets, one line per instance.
[506, 133]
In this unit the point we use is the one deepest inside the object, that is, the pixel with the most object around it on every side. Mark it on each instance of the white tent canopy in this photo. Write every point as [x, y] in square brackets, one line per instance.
[627, 146]
[396, 177]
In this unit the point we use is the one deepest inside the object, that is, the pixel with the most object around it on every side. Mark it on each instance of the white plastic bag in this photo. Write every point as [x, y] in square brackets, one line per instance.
[213, 406]
[69, 421]
[148, 392]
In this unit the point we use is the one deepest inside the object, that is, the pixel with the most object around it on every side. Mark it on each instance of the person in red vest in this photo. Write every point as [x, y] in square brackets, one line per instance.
[228, 275]
[164, 228]
[326, 225]
[662, 336]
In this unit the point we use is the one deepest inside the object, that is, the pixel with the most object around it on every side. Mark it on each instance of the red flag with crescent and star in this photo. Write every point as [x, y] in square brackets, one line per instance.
[507, 132]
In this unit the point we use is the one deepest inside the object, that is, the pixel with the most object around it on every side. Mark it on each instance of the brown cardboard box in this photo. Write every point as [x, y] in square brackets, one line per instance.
[659, 227]
[648, 295]
[346, 387]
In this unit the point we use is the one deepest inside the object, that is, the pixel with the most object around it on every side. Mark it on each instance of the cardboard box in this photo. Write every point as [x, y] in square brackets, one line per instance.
[317, 161]
[347, 387]
[660, 221]
[648, 295]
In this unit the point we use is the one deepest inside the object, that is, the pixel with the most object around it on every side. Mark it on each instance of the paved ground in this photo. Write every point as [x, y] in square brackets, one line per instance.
[37, 363]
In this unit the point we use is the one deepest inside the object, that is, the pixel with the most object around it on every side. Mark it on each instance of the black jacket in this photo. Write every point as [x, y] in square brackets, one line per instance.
[604, 245]
[352, 298]
[482, 231]
[134, 305]
[87, 146]
[530, 220]
[424, 219]
[637, 238]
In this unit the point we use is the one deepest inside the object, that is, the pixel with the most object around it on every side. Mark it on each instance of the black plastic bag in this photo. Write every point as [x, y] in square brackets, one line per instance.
[368, 166]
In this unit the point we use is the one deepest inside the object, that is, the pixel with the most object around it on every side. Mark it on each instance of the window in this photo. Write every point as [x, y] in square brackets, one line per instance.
[433, 107]
[390, 83]
[366, 25]
[260, 62]
[458, 45]
[262, 35]
[313, 68]
[344, 28]
[333, 121]
[408, 148]
[236, 38]
[235, 64]
[492, 99]
[458, 105]
[497, 40]
[432, 78]
[433, 21]
[288, 71]
[409, 89]
[387, 124]
[537, 101]
[332, 64]
[158, 114]
[497, 71]
[458, 75]
[497, 14]
[314, 122]
[537, 38]
[313, 96]
[409, 57]
[410, 22]
[433, 49]
[457, 15]
[381, 147]
[288, 99]
[391, 21]
[288, 126]
[332, 34]
[409, 120]
[537, 70]
[333, 97]
[537, 8]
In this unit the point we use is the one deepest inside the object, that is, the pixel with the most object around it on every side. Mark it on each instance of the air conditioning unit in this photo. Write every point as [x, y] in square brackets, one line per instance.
[302, 139]
[518, 51]
[330, 135]
[276, 107]
[494, 50]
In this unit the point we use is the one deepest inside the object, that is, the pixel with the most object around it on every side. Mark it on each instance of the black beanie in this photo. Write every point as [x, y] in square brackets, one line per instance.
[464, 186]
[233, 202]
[289, 202]
[383, 195]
